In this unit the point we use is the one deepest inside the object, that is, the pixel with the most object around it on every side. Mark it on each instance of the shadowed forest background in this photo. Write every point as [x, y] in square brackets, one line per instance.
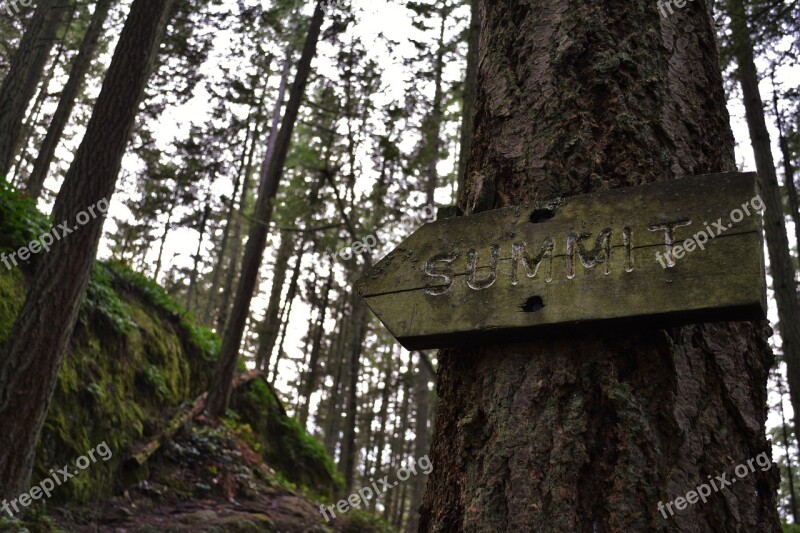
[257, 147]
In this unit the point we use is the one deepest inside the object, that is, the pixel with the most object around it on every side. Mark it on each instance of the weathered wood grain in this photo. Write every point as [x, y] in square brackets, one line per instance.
[588, 280]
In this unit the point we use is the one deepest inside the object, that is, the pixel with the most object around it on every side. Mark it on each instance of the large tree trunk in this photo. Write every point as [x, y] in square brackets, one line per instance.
[39, 337]
[80, 66]
[19, 85]
[220, 391]
[780, 257]
[589, 433]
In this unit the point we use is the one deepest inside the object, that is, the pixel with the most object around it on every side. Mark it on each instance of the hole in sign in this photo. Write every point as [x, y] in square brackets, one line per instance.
[540, 215]
[533, 304]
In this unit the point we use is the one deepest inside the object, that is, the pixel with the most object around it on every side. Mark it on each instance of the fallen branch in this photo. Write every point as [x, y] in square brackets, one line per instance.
[142, 452]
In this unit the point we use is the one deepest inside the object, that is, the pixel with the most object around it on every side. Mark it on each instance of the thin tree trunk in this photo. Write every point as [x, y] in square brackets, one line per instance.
[333, 417]
[310, 383]
[788, 171]
[787, 440]
[422, 441]
[23, 75]
[77, 75]
[270, 325]
[40, 335]
[349, 452]
[591, 432]
[226, 232]
[382, 417]
[234, 260]
[288, 303]
[780, 257]
[167, 227]
[191, 294]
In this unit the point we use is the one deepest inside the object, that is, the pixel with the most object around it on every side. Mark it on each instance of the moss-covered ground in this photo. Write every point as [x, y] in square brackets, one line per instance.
[135, 358]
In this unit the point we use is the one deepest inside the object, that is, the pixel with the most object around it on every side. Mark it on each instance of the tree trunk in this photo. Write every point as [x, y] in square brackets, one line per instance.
[220, 391]
[163, 241]
[421, 442]
[235, 259]
[780, 257]
[349, 449]
[333, 417]
[310, 383]
[788, 171]
[191, 294]
[270, 325]
[787, 442]
[470, 86]
[590, 433]
[213, 292]
[23, 76]
[39, 337]
[382, 419]
[80, 66]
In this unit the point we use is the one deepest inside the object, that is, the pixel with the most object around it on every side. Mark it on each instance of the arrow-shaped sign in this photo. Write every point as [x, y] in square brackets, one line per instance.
[679, 251]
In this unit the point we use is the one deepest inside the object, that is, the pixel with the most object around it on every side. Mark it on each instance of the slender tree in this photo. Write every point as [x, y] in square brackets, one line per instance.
[69, 94]
[220, 390]
[23, 76]
[591, 432]
[39, 337]
[780, 257]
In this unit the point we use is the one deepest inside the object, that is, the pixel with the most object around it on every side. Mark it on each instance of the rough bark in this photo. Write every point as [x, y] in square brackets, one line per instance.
[77, 75]
[23, 75]
[780, 256]
[39, 336]
[220, 391]
[589, 433]
[468, 98]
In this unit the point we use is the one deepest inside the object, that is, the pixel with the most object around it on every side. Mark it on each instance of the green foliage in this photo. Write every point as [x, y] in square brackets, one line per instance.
[125, 279]
[102, 300]
[20, 221]
[285, 445]
[357, 521]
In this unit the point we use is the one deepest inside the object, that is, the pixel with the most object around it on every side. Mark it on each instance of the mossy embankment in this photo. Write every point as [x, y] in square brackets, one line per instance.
[135, 358]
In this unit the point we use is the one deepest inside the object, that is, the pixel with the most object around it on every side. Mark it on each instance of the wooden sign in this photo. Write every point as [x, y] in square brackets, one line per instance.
[679, 251]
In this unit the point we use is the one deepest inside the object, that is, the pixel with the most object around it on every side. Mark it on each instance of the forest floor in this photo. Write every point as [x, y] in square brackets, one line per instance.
[208, 478]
